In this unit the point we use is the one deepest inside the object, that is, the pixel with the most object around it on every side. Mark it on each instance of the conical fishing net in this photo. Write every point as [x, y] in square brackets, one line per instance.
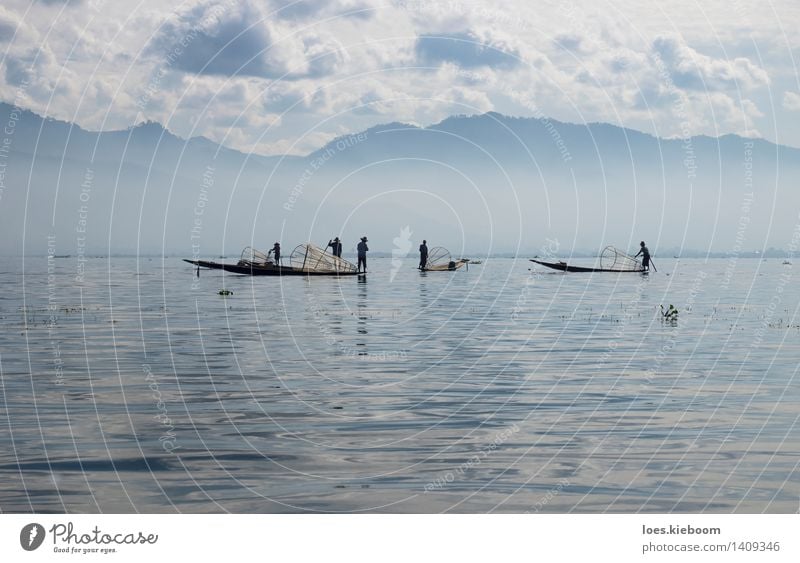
[252, 256]
[614, 259]
[310, 258]
[438, 256]
[439, 259]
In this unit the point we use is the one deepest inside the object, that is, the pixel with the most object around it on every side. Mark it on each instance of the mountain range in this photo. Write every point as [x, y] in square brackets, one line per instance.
[478, 184]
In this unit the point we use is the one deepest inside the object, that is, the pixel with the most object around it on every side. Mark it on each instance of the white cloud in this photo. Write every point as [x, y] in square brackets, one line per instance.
[8, 25]
[467, 50]
[694, 71]
[211, 38]
[791, 101]
[269, 71]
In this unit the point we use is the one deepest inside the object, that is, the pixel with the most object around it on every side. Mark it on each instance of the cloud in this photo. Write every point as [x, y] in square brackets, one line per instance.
[317, 9]
[571, 42]
[346, 65]
[283, 97]
[466, 50]
[791, 101]
[466, 100]
[13, 27]
[323, 56]
[8, 25]
[211, 39]
[18, 71]
[692, 70]
[31, 68]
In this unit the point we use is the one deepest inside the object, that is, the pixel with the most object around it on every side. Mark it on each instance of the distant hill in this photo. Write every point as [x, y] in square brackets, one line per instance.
[478, 184]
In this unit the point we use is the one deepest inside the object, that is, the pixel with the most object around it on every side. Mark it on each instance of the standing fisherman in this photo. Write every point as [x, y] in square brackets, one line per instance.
[276, 250]
[336, 247]
[645, 252]
[362, 254]
[423, 254]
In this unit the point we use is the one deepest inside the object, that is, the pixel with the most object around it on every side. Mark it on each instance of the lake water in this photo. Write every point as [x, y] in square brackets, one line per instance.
[498, 389]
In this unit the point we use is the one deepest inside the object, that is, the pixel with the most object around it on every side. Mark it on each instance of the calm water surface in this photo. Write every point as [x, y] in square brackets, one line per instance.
[499, 389]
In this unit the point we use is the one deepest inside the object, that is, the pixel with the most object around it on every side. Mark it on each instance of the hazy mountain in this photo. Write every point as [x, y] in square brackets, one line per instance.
[477, 184]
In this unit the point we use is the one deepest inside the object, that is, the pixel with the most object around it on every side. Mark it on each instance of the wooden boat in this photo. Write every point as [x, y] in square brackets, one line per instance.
[611, 260]
[262, 270]
[305, 260]
[439, 260]
[449, 267]
[564, 267]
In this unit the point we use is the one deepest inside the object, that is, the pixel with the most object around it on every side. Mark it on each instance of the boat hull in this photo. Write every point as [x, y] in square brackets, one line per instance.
[456, 264]
[268, 270]
[564, 267]
[445, 267]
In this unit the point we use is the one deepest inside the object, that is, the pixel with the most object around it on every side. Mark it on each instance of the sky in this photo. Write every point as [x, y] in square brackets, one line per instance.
[283, 77]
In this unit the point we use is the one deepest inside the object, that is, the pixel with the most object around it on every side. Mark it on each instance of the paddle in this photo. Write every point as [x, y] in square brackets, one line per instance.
[653, 265]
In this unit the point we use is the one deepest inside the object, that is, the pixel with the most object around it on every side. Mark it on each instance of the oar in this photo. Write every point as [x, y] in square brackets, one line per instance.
[654, 265]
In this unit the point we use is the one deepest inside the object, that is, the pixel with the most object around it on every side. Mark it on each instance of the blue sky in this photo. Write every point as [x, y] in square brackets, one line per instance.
[286, 77]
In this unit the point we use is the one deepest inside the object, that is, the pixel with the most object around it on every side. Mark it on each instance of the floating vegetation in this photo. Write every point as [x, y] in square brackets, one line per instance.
[780, 323]
[225, 292]
[69, 310]
[671, 314]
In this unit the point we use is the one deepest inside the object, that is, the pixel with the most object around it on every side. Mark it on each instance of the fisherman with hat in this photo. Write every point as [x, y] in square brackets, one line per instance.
[645, 252]
[362, 254]
[336, 247]
[276, 250]
[423, 255]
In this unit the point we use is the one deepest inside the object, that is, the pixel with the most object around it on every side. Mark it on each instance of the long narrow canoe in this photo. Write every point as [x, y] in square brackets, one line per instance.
[564, 267]
[267, 269]
[448, 267]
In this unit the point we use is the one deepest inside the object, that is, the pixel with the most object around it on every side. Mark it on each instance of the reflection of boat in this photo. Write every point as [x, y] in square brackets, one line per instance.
[439, 260]
[611, 260]
[305, 260]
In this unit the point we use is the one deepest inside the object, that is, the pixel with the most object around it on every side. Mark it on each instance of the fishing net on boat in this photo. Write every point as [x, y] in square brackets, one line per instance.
[310, 258]
[251, 256]
[439, 259]
[614, 259]
[438, 256]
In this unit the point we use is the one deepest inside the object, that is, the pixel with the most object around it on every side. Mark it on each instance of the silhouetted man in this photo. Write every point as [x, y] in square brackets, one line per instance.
[423, 254]
[362, 254]
[276, 251]
[336, 247]
[645, 256]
